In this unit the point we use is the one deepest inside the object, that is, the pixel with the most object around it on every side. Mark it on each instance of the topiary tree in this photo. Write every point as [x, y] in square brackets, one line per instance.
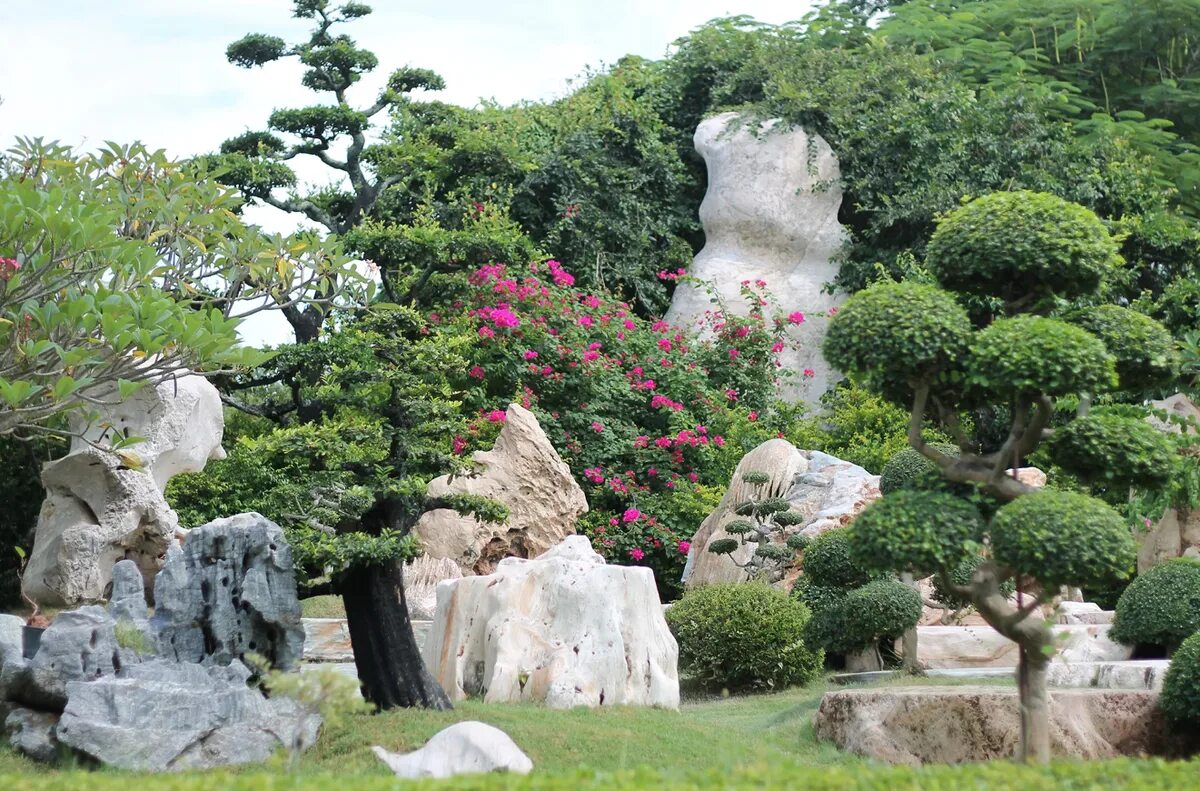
[1180, 699]
[1016, 259]
[761, 519]
[743, 636]
[1161, 607]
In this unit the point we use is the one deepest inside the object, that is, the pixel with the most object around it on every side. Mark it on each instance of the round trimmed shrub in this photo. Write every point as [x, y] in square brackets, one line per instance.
[1143, 348]
[961, 575]
[1114, 450]
[1160, 607]
[1034, 354]
[915, 531]
[1180, 698]
[828, 564]
[882, 608]
[908, 469]
[1062, 538]
[743, 636]
[897, 329]
[1015, 243]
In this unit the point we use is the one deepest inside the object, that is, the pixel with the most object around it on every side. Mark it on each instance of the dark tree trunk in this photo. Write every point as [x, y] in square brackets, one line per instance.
[390, 668]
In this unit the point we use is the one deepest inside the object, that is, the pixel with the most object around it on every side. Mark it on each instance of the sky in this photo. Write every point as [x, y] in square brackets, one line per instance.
[85, 71]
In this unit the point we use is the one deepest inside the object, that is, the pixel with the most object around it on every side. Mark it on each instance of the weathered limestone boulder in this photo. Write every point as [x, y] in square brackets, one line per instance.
[31, 733]
[523, 471]
[827, 491]
[102, 507]
[79, 645]
[982, 646]
[1130, 674]
[463, 748]
[1073, 612]
[230, 591]
[421, 578]
[166, 716]
[917, 725]
[564, 629]
[770, 213]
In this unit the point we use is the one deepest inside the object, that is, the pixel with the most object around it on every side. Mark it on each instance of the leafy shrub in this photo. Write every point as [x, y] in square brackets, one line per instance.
[1013, 243]
[1070, 538]
[863, 428]
[1114, 450]
[1161, 607]
[925, 327]
[1180, 699]
[914, 531]
[883, 608]
[961, 575]
[1143, 348]
[829, 564]
[909, 469]
[743, 636]
[1035, 354]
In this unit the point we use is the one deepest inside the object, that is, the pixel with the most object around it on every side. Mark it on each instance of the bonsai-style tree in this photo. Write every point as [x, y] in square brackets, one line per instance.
[257, 162]
[762, 518]
[122, 269]
[1029, 266]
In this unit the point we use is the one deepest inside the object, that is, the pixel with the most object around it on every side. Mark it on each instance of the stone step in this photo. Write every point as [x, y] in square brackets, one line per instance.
[941, 647]
[328, 639]
[1130, 674]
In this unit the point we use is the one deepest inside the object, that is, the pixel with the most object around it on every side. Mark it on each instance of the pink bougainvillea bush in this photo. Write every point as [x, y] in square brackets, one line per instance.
[651, 418]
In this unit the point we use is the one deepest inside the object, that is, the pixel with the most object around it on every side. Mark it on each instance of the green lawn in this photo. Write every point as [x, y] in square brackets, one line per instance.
[752, 741]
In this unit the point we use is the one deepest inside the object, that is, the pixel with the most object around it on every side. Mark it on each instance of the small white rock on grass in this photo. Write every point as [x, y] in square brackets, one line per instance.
[464, 748]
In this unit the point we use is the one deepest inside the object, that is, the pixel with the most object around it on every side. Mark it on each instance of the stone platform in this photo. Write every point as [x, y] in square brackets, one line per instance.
[328, 639]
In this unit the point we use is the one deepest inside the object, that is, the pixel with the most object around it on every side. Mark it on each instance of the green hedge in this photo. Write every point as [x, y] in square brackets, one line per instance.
[1134, 775]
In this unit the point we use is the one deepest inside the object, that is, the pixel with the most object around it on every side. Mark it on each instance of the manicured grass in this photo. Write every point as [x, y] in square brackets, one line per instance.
[323, 607]
[760, 741]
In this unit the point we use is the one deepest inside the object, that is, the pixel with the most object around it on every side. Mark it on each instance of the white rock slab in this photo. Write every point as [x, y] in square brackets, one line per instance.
[1131, 674]
[564, 629]
[463, 748]
[983, 646]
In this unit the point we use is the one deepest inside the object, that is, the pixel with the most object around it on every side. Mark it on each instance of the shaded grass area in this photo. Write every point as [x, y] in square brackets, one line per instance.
[323, 607]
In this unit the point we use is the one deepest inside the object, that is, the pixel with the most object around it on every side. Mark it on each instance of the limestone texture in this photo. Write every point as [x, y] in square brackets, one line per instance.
[564, 629]
[770, 213]
[463, 748]
[523, 471]
[983, 646]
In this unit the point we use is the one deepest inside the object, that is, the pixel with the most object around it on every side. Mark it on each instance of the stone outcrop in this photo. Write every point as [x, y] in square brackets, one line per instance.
[1177, 532]
[1130, 674]
[230, 591]
[463, 748]
[983, 646]
[918, 725]
[523, 471]
[31, 733]
[421, 578]
[564, 629]
[825, 490]
[166, 716]
[102, 507]
[770, 213]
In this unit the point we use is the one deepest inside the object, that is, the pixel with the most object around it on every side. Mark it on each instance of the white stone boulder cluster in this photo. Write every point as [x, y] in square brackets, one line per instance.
[564, 629]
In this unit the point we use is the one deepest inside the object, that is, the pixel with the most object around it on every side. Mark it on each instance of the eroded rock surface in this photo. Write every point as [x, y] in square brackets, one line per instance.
[102, 507]
[825, 490]
[770, 213]
[564, 629]
[523, 471]
[231, 590]
[983, 646]
[918, 725]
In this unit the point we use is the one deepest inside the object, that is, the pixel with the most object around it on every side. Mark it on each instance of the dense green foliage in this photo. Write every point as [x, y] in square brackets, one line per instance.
[1143, 348]
[1068, 538]
[909, 469]
[1180, 699]
[1027, 355]
[915, 531]
[1114, 451]
[829, 564]
[861, 617]
[962, 575]
[1161, 607]
[743, 636]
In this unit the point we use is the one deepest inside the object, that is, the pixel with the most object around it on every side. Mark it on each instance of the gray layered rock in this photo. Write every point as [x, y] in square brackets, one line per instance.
[770, 213]
[463, 748]
[165, 716]
[102, 507]
[230, 591]
[32, 733]
[80, 645]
